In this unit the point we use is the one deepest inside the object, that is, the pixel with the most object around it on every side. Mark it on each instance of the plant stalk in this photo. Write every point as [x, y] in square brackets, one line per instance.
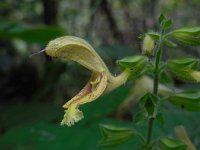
[158, 51]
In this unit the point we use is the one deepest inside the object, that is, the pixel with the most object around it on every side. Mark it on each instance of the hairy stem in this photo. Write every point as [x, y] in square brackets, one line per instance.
[150, 130]
[158, 51]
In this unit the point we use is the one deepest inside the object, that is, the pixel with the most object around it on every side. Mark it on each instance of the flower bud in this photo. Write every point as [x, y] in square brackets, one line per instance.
[148, 45]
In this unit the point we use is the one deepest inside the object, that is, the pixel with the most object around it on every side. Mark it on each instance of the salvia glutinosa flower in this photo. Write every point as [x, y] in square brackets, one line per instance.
[101, 81]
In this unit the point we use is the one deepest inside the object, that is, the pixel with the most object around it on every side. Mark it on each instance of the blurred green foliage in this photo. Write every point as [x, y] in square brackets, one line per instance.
[36, 125]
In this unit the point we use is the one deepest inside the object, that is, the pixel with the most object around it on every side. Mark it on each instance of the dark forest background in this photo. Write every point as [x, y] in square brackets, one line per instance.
[33, 89]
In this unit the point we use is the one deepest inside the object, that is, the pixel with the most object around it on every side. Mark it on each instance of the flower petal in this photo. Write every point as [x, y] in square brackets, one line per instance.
[71, 116]
[94, 88]
[76, 49]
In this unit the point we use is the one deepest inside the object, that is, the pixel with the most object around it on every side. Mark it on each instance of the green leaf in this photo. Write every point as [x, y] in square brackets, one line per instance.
[167, 24]
[113, 136]
[186, 36]
[188, 100]
[169, 43]
[184, 68]
[160, 119]
[161, 18]
[136, 65]
[171, 144]
[155, 36]
[149, 104]
[139, 118]
[166, 79]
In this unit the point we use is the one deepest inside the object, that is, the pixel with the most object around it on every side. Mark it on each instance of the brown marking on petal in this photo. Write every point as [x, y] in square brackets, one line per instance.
[90, 92]
[86, 90]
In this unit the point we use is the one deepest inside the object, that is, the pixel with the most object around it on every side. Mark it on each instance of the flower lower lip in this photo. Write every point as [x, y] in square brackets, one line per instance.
[88, 90]
[93, 89]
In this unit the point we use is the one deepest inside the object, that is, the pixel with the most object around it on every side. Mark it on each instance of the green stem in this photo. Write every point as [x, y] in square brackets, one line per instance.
[150, 130]
[157, 64]
[155, 87]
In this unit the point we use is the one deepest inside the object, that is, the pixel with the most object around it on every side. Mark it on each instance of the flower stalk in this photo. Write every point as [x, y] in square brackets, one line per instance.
[158, 51]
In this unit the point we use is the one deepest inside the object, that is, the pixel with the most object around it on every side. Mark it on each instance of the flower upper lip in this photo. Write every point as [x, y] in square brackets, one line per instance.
[78, 50]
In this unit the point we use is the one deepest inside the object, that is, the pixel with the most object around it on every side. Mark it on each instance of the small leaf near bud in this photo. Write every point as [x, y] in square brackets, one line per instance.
[161, 18]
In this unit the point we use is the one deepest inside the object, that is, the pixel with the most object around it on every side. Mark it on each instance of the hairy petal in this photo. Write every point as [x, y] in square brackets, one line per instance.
[78, 50]
[71, 116]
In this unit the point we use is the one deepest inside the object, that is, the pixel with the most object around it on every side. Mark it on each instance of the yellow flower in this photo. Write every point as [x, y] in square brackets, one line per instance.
[78, 50]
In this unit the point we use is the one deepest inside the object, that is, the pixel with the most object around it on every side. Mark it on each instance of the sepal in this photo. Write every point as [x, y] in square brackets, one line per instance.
[113, 135]
[185, 68]
[135, 64]
[171, 144]
[188, 100]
